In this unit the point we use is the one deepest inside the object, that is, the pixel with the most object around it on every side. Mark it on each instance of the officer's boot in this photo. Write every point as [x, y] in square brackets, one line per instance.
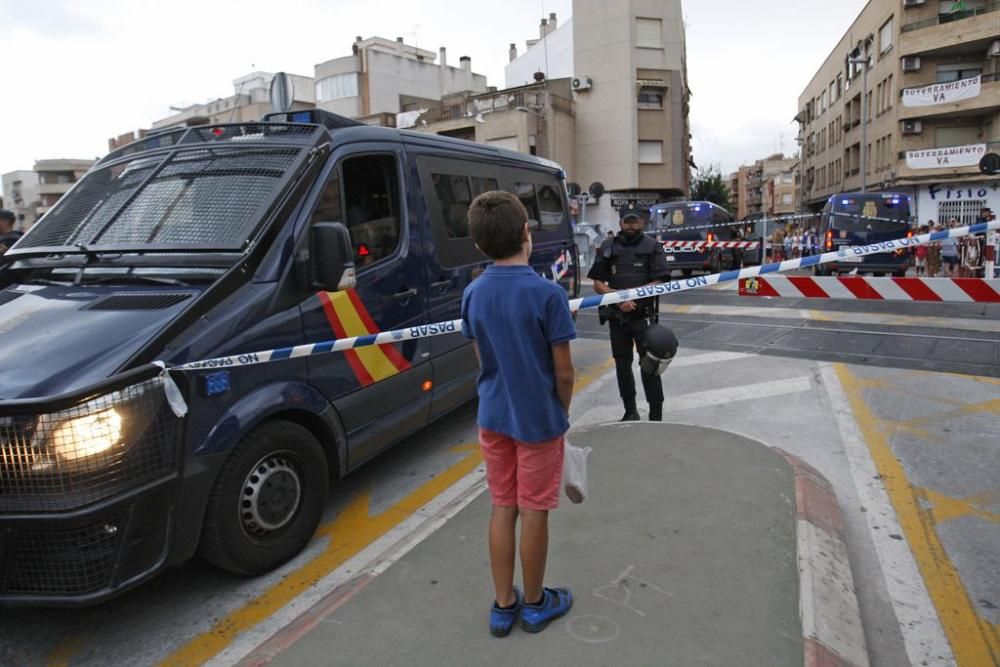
[631, 411]
[656, 412]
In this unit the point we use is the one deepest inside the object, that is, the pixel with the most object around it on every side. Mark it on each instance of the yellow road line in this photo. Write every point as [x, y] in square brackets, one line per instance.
[350, 532]
[819, 316]
[64, 652]
[947, 508]
[974, 640]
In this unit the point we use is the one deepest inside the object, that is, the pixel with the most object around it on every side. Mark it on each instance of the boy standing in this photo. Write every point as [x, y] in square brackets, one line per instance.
[521, 327]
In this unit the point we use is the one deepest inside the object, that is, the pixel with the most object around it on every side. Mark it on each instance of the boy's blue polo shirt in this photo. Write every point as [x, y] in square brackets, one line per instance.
[515, 317]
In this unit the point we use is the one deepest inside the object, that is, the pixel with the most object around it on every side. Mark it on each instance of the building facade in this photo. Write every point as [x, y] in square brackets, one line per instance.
[386, 77]
[768, 187]
[55, 178]
[20, 196]
[929, 112]
[538, 119]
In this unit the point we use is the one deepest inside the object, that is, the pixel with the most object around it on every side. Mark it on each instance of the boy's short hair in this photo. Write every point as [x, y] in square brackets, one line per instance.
[496, 221]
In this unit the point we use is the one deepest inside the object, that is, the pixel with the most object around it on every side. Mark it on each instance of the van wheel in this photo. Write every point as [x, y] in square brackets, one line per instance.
[899, 274]
[267, 501]
[687, 272]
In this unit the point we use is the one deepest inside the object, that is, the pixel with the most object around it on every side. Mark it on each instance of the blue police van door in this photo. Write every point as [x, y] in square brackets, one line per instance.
[378, 391]
[449, 185]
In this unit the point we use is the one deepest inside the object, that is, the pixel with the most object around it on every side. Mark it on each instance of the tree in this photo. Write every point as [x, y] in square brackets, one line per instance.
[709, 186]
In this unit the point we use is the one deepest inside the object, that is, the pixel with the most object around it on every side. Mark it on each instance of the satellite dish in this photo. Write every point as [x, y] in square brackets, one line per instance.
[990, 164]
[596, 189]
[281, 93]
[573, 189]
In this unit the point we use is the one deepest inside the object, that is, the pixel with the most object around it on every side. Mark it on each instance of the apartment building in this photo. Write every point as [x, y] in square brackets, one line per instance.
[20, 196]
[914, 86]
[630, 97]
[55, 178]
[767, 187]
[538, 119]
[382, 76]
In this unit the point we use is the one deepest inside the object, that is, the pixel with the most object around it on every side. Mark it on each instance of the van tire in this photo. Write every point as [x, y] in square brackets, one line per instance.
[687, 272]
[281, 465]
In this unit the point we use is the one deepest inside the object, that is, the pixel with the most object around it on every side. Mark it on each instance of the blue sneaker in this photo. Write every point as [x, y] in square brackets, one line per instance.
[502, 620]
[555, 603]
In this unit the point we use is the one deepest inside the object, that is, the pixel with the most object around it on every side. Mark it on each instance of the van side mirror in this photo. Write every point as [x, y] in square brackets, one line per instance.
[331, 259]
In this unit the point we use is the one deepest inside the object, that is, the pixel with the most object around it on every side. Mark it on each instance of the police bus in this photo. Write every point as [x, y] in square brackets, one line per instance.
[694, 221]
[856, 218]
[200, 243]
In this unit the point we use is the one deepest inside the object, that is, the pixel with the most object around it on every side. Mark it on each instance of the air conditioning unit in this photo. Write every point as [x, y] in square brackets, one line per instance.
[581, 83]
[913, 3]
[913, 127]
[994, 51]
[911, 63]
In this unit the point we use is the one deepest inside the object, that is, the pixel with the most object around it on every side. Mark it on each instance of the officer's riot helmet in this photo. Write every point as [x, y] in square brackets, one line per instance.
[661, 347]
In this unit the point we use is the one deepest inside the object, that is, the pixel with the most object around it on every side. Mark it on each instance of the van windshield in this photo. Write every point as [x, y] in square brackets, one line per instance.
[879, 213]
[197, 198]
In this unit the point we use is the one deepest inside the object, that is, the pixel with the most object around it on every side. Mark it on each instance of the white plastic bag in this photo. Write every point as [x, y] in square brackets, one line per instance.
[575, 472]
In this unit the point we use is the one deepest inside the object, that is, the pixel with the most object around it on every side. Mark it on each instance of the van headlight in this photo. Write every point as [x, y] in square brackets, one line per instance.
[86, 436]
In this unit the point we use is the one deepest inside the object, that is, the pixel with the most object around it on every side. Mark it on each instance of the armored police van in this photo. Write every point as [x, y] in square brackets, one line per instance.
[209, 242]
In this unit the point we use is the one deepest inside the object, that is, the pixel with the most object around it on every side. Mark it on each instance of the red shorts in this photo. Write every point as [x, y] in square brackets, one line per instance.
[520, 474]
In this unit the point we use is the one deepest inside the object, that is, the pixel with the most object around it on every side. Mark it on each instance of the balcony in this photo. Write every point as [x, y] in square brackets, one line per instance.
[987, 100]
[945, 31]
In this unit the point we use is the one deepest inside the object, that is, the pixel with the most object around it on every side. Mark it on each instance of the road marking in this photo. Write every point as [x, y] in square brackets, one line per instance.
[350, 534]
[710, 358]
[947, 508]
[703, 399]
[884, 488]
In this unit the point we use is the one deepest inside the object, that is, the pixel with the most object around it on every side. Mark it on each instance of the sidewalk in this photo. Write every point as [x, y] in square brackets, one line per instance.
[687, 552]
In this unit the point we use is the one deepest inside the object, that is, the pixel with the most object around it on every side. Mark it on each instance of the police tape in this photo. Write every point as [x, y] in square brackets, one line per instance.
[697, 245]
[659, 289]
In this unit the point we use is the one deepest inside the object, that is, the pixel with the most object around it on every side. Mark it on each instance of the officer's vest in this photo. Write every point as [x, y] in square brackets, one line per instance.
[630, 265]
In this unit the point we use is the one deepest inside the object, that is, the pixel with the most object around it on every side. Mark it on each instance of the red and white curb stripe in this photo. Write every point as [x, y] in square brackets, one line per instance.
[958, 290]
[832, 631]
[711, 244]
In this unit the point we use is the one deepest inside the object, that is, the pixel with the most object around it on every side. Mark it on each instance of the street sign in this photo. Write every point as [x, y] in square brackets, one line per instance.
[282, 93]
[640, 199]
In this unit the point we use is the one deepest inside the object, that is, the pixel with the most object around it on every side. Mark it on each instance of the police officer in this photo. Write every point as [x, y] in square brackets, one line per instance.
[631, 259]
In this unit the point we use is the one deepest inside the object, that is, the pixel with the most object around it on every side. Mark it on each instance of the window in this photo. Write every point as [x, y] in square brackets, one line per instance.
[650, 152]
[366, 199]
[890, 93]
[650, 97]
[550, 206]
[833, 92]
[965, 211]
[822, 103]
[948, 73]
[885, 37]
[786, 199]
[956, 136]
[337, 87]
[454, 194]
[649, 33]
[840, 85]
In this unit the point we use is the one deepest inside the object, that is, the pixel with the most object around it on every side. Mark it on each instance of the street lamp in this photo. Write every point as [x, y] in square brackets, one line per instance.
[864, 116]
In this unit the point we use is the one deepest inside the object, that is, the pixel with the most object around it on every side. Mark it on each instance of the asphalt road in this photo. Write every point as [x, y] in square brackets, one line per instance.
[905, 430]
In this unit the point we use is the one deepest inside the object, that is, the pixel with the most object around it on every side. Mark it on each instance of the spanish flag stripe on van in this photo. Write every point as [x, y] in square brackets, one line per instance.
[338, 329]
[394, 355]
[349, 317]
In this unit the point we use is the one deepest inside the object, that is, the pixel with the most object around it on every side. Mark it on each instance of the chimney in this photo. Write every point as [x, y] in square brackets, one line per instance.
[358, 38]
[466, 63]
[553, 24]
[399, 46]
[543, 29]
[444, 56]
[513, 52]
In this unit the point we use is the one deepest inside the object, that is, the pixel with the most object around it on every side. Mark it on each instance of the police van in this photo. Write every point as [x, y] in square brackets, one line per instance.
[862, 218]
[215, 241]
[694, 222]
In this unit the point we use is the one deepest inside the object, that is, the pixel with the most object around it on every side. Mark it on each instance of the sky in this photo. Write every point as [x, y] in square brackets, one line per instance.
[76, 72]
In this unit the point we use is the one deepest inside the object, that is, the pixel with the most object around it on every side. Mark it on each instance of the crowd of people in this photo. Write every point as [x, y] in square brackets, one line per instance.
[793, 242]
[951, 257]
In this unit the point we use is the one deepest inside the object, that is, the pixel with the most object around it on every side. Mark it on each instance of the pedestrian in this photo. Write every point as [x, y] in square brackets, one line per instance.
[778, 245]
[8, 235]
[789, 242]
[949, 252]
[934, 252]
[920, 256]
[631, 259]
[521, 327]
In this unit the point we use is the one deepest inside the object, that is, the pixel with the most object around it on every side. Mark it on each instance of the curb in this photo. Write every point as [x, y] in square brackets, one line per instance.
[832, 632]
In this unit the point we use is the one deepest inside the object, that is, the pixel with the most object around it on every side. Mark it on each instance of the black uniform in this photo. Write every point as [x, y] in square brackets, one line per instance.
[623, 264]
[9, 239]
